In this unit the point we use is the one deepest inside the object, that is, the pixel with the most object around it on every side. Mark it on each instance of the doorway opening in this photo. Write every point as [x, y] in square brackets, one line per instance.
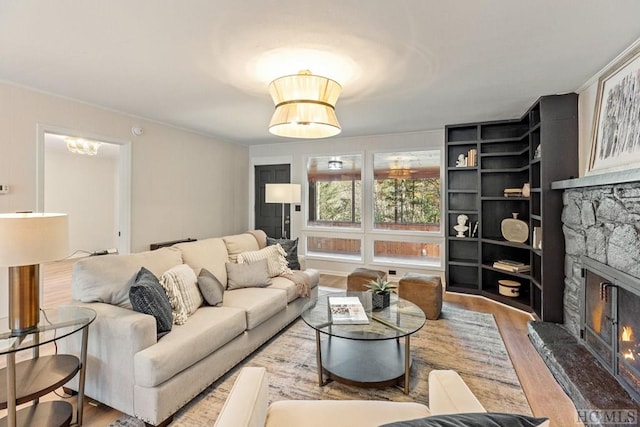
[93, 188]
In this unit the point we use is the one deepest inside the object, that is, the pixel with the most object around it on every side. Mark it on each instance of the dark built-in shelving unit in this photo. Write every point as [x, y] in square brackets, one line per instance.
[506, 159]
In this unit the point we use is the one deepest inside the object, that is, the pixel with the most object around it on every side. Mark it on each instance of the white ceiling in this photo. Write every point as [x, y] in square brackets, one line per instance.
[405, 65]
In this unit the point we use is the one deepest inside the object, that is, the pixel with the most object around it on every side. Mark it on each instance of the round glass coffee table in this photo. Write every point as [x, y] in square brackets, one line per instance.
[365, 355]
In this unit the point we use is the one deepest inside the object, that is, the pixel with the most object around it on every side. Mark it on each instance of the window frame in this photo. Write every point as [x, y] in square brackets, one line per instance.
[366, 231]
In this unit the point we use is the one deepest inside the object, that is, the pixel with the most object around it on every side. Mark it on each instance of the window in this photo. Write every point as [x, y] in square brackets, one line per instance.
[345, 248]
[334, 191]
[407, 191]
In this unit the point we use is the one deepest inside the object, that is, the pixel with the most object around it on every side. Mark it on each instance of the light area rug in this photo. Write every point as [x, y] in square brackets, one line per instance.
[465, 341]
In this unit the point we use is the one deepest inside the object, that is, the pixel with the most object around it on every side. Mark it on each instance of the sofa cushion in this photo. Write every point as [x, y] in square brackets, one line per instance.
[276, 259]
[208, 329]
[291, 249]
[210, 287]
[254, 275]
[239, 243]
[148, 296]
[181, 285]
[108, 278]
[286, 285]
[208, 253]
[479, 419]
[258, 303]
[352, 413]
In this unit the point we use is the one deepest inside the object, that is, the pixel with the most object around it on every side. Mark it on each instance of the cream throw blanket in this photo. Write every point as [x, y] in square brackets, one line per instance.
[302, 282]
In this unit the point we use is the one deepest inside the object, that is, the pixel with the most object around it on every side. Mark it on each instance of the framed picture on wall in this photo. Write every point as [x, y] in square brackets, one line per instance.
[616, 127]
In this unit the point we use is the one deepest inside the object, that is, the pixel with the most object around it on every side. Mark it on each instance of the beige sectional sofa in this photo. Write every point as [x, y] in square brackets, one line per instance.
[131, 370]
[248, 405]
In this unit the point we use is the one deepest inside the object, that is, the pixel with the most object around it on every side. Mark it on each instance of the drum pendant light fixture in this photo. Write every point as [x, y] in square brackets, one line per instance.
[305, 106]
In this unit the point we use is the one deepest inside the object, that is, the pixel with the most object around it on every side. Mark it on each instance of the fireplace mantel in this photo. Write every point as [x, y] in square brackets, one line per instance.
[610, 178]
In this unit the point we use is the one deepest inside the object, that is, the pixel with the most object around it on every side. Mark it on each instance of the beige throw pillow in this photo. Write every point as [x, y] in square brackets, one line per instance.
[254, 275]
[181, 285]
[276, 259]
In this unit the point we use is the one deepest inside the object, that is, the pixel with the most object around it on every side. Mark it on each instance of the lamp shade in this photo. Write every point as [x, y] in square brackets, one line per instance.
[282, 193]
[305, 106]
[33, 238]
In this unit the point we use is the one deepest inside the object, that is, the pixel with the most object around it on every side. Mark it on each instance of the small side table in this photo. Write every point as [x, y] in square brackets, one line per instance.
[30, 379]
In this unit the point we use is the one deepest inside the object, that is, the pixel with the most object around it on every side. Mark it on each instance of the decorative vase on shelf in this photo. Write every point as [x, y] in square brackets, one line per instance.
[526, 190]
[514, 229]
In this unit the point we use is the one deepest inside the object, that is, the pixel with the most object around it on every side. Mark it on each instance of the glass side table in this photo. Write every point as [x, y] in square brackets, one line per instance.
[28, 380]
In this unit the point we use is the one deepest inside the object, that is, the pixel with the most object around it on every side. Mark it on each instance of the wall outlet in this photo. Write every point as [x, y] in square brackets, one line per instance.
[4, 188]
[392, 272]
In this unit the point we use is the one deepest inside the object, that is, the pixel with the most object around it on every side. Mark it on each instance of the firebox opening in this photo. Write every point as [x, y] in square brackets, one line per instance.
[610, 322]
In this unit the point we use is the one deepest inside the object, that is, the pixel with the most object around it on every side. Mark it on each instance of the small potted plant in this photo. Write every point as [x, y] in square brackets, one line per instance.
[380, 292]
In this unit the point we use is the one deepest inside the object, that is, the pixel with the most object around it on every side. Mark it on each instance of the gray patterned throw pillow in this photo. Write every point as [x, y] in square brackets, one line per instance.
[290, 247]
[148, 297]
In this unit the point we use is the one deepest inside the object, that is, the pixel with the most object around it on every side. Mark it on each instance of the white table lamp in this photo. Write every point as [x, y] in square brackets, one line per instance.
[26, 241]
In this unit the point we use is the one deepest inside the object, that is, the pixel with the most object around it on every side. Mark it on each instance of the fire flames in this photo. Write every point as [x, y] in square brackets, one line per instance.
[627, 336]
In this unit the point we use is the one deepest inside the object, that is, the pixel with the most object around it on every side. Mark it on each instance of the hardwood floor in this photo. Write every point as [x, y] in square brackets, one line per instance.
[545, 396]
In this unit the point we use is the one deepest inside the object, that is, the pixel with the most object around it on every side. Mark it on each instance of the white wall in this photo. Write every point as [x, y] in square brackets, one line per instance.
[183, 184]
[86, 188]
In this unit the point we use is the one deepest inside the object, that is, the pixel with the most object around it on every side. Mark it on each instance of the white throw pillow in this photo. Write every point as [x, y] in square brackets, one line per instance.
[181, 285]
[276, 259]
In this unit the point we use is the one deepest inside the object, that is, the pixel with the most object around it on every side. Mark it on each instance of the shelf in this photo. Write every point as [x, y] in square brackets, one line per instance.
[536, 190]
[502, 198]
[506, 153]
[45, 414]
[502, 242]
[468, 142]
[40, 376]
[462, 168]
[462, 191]
[510, 139]
[475, 239]
[537, 252]
[467, 288]
[459, 211]
[536, 217]
[536, 160]
[520, 302]
[506, 170]
[464, 262]
[524, 275]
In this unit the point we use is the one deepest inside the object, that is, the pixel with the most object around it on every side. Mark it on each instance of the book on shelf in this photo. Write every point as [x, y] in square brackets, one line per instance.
[472, 157]
[512, 192]
[347, 311]
[511, 266]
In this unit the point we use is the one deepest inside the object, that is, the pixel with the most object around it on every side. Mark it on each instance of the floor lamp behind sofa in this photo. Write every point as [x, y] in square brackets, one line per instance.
[283, 193]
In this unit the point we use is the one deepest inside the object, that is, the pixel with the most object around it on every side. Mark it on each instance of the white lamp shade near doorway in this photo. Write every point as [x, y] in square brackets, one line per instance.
[33, 238]
[282, 193]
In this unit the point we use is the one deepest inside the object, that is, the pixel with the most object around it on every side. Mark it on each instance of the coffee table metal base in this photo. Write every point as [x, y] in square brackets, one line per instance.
[376, 364]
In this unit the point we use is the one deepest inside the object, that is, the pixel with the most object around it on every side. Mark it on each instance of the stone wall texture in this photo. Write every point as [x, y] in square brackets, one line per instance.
[602, 223]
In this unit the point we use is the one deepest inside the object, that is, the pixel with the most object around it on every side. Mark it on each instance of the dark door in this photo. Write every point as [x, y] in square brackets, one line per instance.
[269, 215]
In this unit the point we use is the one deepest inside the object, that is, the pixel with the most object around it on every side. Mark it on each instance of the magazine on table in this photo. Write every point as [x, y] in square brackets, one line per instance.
[347, 311]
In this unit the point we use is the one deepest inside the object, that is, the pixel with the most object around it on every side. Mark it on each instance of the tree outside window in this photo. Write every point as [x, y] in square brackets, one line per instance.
[335, 191]
[407, 191]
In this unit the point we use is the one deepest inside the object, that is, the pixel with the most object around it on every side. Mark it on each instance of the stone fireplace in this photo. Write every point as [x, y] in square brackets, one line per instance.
[601, 223]
[595, 354]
